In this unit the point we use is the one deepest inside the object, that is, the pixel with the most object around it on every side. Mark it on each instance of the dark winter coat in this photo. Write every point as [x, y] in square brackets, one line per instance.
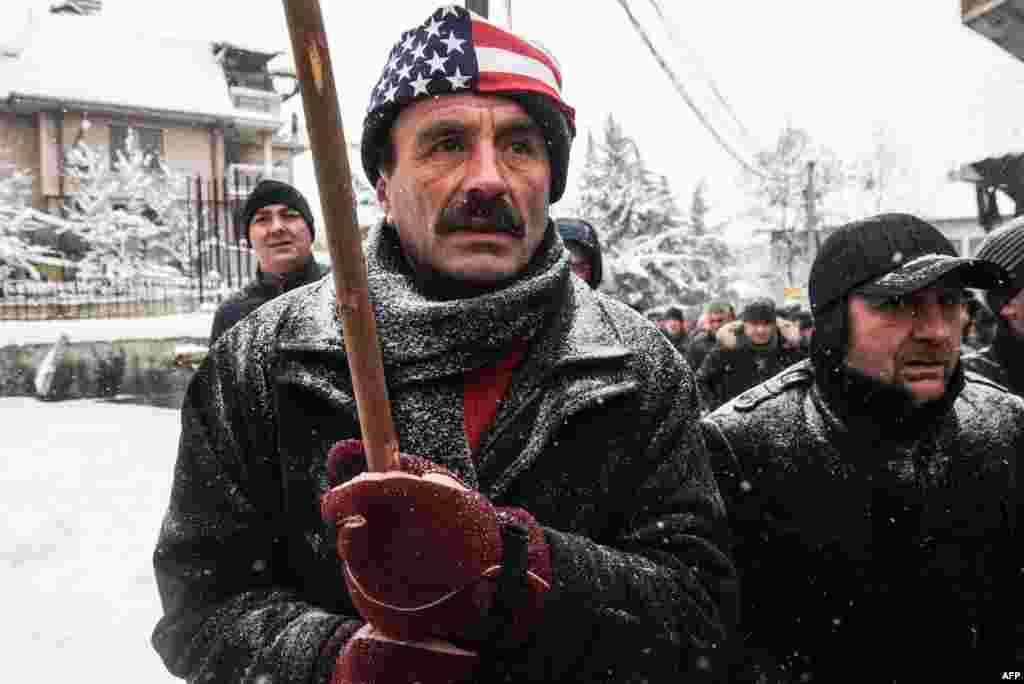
[261, 290]
[735, 365]
[869, 556]
[597, 438]
[700, 344]
[1002, 361]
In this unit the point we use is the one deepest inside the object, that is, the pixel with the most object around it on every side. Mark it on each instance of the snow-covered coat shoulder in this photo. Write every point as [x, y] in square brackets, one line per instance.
[846, 542]
[257, 293]
[597, 437]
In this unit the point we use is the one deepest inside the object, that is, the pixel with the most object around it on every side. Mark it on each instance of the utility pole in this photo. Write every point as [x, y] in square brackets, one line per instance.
[810, 199]
[811, 243]
[478, 6]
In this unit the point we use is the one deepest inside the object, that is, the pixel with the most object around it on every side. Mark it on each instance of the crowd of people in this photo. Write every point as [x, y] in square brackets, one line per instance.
[583, 495]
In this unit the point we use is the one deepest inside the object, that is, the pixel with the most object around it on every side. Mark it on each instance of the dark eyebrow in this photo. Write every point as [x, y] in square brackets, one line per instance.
[523, 125]
[447, 127]
[439, 129]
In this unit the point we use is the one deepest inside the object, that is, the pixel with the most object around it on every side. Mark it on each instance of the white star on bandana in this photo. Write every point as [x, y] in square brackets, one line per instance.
[452, 43]
[458, 80]
[419, 86]
[437, 62]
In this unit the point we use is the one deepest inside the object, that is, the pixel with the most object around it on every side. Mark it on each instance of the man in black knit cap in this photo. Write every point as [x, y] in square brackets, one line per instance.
[1003, 360]
[279, 226]
[873, 489]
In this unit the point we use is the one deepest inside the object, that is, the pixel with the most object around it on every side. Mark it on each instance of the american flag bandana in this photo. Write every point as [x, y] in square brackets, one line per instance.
[456, 51]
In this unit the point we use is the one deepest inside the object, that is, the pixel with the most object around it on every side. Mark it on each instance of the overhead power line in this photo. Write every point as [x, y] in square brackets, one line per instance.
[682, 92]
[675, 35]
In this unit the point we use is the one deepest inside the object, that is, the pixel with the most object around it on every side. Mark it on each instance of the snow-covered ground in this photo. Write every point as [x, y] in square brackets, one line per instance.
[83, 490]
[84, 487]
[107, 329]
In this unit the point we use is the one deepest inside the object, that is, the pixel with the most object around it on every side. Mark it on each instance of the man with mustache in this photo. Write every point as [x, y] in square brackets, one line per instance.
[873, 489]
[279, 226]
[555, 519]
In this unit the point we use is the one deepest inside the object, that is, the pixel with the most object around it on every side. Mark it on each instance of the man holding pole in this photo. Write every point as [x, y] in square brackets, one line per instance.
[556, 519]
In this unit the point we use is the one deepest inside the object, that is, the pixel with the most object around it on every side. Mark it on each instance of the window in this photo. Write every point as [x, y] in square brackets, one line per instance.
[150, 140]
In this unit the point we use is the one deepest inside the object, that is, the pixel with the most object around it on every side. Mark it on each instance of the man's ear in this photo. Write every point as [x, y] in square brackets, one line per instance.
[382, 194]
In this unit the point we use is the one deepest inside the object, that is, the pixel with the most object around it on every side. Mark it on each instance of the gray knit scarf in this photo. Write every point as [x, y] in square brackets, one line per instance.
[423, 338]
[428, 344]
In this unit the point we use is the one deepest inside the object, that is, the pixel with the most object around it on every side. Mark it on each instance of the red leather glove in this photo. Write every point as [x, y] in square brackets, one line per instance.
[426, 557]
[372, 657]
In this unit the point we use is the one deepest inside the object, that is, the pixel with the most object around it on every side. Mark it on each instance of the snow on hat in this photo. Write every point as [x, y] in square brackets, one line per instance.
[890, 255]
[583, 234]
[456, 51]
[269, 192]
[1005, 246]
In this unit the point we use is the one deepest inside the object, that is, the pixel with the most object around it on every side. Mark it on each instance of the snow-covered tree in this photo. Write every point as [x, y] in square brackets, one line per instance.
[883, 173]
[125, 212]
[652, 254]
[779, 190]
[15, 192]
[699, 209]
[790, 192]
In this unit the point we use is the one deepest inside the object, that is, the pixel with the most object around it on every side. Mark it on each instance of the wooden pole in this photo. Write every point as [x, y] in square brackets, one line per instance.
[344, 240]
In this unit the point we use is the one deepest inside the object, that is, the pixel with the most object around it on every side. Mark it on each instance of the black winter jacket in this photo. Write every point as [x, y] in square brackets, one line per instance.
[261, 290]
[604, 450]
[869, 556]
[700, 344]
[1002, 361]
[735, 365]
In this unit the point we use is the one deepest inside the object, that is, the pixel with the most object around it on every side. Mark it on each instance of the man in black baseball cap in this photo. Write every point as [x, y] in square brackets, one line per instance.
[876, 479]
[871, 275]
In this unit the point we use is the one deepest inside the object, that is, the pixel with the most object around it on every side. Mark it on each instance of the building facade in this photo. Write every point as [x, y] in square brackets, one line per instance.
[207, 109]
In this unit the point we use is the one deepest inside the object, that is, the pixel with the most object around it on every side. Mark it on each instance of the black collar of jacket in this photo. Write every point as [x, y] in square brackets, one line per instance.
[286, 282]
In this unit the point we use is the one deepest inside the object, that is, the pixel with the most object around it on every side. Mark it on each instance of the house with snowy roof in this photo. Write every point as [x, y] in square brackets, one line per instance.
[208, 109]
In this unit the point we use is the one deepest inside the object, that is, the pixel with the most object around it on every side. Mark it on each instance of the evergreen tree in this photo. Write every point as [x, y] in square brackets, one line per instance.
[652, 254]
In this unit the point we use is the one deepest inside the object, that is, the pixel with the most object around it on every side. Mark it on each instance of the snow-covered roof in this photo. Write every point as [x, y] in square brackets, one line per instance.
[92, 62]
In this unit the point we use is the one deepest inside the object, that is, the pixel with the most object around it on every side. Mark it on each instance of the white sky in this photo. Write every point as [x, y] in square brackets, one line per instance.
[838, 69]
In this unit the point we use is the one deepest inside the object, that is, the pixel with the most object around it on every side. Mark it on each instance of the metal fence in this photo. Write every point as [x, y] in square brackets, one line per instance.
[216, 240]
[38, 301]
[219, 261]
